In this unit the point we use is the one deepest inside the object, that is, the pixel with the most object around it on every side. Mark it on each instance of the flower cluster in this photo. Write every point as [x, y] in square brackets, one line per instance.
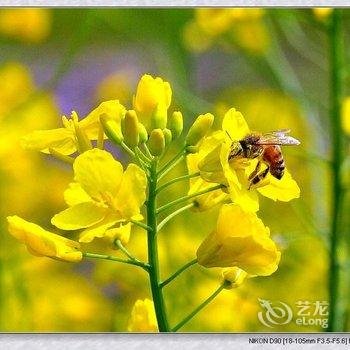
[238, 27]
[105, 200]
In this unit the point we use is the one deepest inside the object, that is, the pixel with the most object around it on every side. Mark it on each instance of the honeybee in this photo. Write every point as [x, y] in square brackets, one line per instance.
[267, 148]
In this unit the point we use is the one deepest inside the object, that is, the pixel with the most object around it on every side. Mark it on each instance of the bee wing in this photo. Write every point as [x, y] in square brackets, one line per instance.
[280, 132]
[278, 137]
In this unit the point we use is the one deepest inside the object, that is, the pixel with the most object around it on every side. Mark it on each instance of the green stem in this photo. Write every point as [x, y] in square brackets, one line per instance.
[185, 198]
[178, 272]
[153, 259]
[142, 155]
[145, 266]
[127, 149]
[336, 95]
[119, 244]
[148, 153]
[178, 179]
[199, 308]
[141, 224]
[171, 164]
[176, 212]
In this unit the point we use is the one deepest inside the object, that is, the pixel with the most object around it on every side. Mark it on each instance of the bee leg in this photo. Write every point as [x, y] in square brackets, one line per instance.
[256, 170]
[259, 177]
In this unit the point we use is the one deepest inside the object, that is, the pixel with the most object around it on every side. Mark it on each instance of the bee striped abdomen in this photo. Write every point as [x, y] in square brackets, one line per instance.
[273, 156]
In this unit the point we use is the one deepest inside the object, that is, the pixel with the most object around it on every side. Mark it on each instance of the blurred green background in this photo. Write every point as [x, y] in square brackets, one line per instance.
[272, 65]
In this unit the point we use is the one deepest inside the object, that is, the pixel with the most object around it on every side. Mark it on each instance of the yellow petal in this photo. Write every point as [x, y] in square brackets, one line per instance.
[235, 276]
[151, 102]
[98, 173]
[346, 115]
[122, 233]
[245, 245]
[91, 123]
[143, 317]
[245, 223]
[209, 154]
[44, 243]
[208, 200]
[74, 195]
[61, 140]
[254, 254]
[131, 194]
[235, 125]
[284, 190]
[100, 229]
[79, 216]
[238, 183]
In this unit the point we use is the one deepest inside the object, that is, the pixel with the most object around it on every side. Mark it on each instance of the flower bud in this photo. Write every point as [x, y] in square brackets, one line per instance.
[156, 142]
[112, 129]
[175, 124]
[83, 141]
[233, 277]
[131, 129]
[143, 135]
[121, 233]
[192, 149]
[151, 102]
[168, 136]
[159, 117]
[199, 129]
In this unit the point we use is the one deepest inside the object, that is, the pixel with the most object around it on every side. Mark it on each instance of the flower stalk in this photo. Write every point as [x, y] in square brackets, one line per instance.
[185, 198]
[178, 272]
[153, 259]
[135, 262]
[336, 42]
[201, 306]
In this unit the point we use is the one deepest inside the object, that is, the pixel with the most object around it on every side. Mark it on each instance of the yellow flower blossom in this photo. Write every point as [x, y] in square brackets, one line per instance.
[215, 167]
[151, 102]
[346, 115]
[102, 196]
[67, 140]
[14, 78]
[40, 242]
[235, 276]
[207, 200]
[217, 21]
[322, 13]
[143, 317]
[31, 25]
[239, 26]
[240, 240]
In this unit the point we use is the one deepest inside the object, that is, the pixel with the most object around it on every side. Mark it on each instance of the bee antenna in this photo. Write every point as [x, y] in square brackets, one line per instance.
[228, 135]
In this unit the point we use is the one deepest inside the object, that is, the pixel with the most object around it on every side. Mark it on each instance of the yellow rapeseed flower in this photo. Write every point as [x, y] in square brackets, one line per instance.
[102, 196]
[30, 25]
[143, 317]
[40, 242]
[208, 200]
[346, 115]
[215, 167]
[235, 276]
[68, 139]
[240, 240]
[240, 27]
[322, 13]
[217, 21]
[151, 102]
